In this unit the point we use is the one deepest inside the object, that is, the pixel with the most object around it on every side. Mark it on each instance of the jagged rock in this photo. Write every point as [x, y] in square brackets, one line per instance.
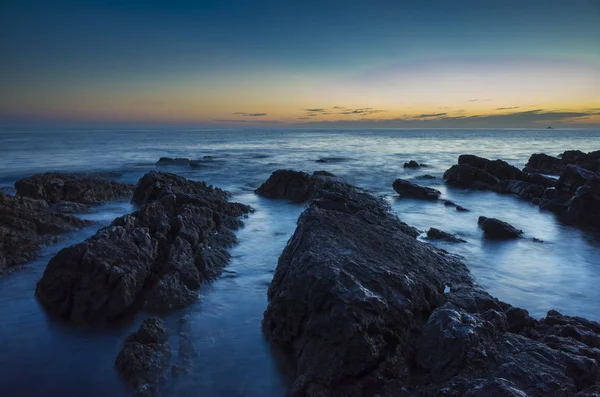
[542, 163]
[496, 229]
[498, 168]
[362, 308]
[145, 356]
[426, 176]
[408, 189]
[465, 175]
[293, 185]
[437, 234]
[153, 258]
[525, 190]
[576, 196]
[413, 164]
[173, 161]
[461, 209]
[26, 225]
[78, 188]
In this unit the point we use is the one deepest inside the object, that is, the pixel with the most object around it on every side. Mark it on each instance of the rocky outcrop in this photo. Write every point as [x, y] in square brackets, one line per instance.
[408, 189]
[145, 356]
[292, 185]
[576, 196]
[496, 229]
[78, 188]
[545, 164]
[26, 225]
[437, 234]
[154, 258]
[414, 164]
[496, 175]
[363, 308]
[173, 161]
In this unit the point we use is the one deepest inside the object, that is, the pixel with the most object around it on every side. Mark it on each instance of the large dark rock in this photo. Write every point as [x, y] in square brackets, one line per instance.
[145, 356]
[525, 190]
[362, 308]
[173, 161]
[408, 189]
[26, 225]
[576, 196]
[79, 188]
[437, 234]
[294, 185]
[543, 163]
[153, 258]
[465, 175]
[496, 229]
[498, 168]
[413, 164]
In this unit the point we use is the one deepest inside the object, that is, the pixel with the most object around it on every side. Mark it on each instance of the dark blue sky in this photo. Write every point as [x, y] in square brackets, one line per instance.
[76, 58]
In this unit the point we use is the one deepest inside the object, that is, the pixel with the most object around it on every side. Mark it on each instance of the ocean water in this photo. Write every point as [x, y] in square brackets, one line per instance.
[40, 356]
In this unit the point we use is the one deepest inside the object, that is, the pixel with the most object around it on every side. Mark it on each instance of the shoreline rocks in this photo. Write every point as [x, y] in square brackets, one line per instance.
[153, 259]
[411, 190]
[437, 234]
[545, 164]
[363, 308]
[89, 189]
[145, 357]
[26, 225]
[496, 229]
[293, 185]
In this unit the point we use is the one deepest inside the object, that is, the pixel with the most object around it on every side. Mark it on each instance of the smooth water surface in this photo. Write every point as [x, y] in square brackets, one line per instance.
[42, 357]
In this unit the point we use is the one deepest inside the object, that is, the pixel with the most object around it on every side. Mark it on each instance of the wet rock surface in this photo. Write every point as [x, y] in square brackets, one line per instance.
[26, 225]
[414, 164]
[496, 229]
[545, 164]
[437, 234]
[154, 258]
[145, 356]
[408, 189]
[363, 308]
[89, 188]
[293, 185]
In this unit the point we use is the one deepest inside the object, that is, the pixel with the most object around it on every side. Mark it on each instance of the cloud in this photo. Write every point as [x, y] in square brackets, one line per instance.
[508, 108]
[250, 114]
[428, 115]
[525, 119]
[315, 110]
[479, 100]
[303, 118]
[249, 121]
[338, 107]
[362, 111]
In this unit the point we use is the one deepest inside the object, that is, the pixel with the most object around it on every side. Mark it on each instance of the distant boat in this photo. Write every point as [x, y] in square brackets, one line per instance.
[549, 128]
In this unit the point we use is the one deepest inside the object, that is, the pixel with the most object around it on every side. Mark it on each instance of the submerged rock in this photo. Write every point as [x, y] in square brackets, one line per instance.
[88, 188]
[427, 176]
[173, 161]
[437, 234]
[363, 308]
[408, 189]
[145, 356]
[153, 258]
[496, 229]
[26, 225]
[413, 164]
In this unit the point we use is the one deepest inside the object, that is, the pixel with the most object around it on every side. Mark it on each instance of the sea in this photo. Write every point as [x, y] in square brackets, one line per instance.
[40, 356]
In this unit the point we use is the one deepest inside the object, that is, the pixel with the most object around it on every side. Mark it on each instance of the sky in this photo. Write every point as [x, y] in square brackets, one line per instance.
[350, 64]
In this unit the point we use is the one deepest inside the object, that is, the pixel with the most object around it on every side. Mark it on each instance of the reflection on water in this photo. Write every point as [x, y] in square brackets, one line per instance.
[41, 357]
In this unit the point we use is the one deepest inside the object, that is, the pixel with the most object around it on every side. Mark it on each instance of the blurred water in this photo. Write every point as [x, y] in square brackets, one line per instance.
[41, 357]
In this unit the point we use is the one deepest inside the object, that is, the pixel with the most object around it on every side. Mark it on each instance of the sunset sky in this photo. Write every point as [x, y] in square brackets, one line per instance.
[455, 64]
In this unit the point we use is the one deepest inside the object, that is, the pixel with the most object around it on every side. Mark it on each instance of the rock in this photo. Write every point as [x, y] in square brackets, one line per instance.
[413, 164]
[331, 160]
[465, 175]
[145, 356]
[292, 185]
[576, 196]
[26, 225]
[498, 230]
[173, 161]
[363, 308]
[461, 209]
[525, 190]
[426, 176]
[69, 207]
[154, 258]
[407, 189]
[437, 234]
[498, 168]
[78, 188]
[542, 163]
